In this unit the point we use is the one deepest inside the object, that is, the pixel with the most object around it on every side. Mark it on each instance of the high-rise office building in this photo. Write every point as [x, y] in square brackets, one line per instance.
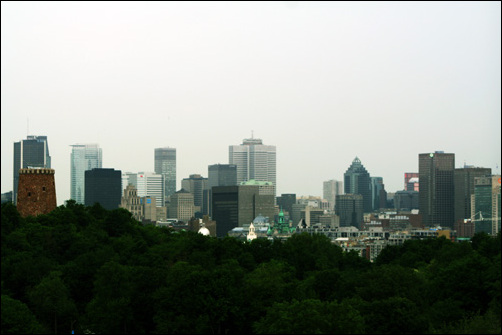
[33, 152]
[254, 160]
[222, 175]
[147, 184]
[83, 157]
[486, 209]
[195, 184]
[406, 200]
[165, 164]
[331, 189]
[436, 195]
[349, 207]
[357, 181]
[464, 188]
[378, 193]
[181, 206]
[238, 205]
[103, 186]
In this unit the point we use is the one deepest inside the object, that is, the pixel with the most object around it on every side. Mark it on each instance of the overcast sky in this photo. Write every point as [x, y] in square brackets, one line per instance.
[322, 81]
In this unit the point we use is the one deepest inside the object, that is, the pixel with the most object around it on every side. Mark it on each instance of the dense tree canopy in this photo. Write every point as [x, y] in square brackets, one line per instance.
[91, 270]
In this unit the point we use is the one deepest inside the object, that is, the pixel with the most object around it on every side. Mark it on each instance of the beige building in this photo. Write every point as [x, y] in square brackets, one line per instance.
[181, 206]
[141, 208]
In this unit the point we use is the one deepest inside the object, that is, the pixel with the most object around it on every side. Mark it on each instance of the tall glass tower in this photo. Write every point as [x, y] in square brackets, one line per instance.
[31, 152]
[83, 157]
[165, 164]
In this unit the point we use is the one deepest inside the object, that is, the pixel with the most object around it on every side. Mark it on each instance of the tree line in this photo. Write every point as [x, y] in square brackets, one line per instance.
[91, 270]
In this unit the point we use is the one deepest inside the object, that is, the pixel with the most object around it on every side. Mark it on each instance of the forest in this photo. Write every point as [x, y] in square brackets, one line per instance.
[94, 271]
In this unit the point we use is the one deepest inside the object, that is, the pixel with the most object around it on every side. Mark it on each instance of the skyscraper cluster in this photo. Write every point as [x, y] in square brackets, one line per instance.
[245, 188]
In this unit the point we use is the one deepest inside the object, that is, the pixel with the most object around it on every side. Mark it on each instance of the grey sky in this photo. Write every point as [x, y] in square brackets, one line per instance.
[323, 81]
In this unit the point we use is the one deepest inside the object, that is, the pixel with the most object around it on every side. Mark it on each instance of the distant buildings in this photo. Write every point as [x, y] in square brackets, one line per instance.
[436, 188]
[330, 190]
[148, 184]
[218, 175]
[143, 209]
[196, 184]
[181, 206]
[83, 157]
[406, 200]
[378, 193]
[237, 205]
[33, 152]
[165, 164]
[103, 186]
[254, 160]
[464, 189]
[411, 181]
[486, 209]
[350, 209]
[357, 181]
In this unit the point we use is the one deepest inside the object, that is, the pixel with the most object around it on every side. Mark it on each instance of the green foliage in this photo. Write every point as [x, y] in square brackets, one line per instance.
[92, 270]
[17, 318]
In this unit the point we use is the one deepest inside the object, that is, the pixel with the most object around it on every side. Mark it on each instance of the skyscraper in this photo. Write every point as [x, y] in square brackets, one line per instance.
[218, 175]
[349, 207]
[165, 164]
[331, 189]
[83, 157]
[195, 184]
[33, 152]
[487, 202]
[147, 184]
[238, 205]
[464, 188]
[378, 193]
[103, 186]
[436, 195]
[357, 181]
[254, 160]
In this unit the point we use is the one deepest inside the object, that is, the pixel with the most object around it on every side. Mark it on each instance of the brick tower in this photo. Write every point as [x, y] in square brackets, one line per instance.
[36, 192]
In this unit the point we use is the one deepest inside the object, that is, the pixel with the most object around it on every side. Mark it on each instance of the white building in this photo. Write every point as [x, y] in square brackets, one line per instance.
[83, 157]
[254, 160]
[148, 184]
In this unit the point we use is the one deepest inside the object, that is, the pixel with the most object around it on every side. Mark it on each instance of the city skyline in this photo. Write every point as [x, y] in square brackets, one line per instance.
[322, 82]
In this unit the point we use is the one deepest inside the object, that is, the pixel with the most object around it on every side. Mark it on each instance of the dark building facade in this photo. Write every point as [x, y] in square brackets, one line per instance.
[103, 186]
[286, 202]
[464, 189]
[218, 175]
[238, 205]
[33, 152]
[406, 200]
[357, 181]
[349, 207]
[36, 192]
[436, 195]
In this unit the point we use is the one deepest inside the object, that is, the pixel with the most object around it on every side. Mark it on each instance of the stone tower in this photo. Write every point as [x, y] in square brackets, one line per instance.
[36, 193]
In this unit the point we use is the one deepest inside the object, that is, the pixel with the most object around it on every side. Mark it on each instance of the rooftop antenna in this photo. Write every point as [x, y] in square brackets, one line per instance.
[252, 134]
[27, 127]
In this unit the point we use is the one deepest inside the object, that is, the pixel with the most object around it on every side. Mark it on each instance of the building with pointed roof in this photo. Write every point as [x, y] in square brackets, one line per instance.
[357, 181]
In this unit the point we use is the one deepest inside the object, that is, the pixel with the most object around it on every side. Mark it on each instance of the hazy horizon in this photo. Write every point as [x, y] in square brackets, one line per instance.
[322, 81]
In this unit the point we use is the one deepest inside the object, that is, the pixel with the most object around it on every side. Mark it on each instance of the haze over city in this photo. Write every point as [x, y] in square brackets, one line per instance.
[322, 81]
